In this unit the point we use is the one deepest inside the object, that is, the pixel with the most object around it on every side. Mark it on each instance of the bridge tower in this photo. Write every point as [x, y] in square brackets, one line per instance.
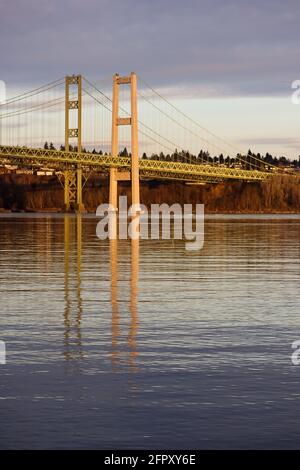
[73, 177]
[132, 121]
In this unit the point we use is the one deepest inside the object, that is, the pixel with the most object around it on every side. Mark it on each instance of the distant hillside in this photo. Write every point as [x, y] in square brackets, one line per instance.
[281, 194]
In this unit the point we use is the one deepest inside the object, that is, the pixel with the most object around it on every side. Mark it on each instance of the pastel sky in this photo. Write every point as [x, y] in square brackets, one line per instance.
[227, 63]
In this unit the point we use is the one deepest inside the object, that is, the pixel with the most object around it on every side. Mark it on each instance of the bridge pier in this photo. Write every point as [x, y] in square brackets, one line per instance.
[80, 207]
[72, 184]
[113, 189]
[69, 184]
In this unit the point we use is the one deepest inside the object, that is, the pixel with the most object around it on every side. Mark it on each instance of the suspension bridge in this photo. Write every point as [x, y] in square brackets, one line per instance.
[74, 128]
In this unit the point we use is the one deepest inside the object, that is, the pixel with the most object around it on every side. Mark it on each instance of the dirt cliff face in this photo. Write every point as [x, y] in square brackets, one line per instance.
[34, 193]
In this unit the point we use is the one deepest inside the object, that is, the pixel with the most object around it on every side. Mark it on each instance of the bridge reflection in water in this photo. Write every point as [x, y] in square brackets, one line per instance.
[72, 333]
[73, 347]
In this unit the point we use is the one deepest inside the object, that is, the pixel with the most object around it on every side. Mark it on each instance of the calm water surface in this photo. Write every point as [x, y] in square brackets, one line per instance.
[126, 345]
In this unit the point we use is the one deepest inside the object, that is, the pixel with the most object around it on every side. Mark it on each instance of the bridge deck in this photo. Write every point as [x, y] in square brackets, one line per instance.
[60, 160]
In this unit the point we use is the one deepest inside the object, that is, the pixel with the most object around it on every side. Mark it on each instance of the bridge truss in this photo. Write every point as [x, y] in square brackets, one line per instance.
[62, 161]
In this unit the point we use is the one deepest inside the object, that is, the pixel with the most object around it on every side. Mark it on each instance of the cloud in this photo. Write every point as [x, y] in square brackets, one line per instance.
[275, 143]
[222, 47]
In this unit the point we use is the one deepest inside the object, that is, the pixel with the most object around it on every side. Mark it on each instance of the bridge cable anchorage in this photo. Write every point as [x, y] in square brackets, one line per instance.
[232, 146]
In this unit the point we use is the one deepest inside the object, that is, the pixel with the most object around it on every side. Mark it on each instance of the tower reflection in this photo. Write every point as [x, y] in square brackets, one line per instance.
[116, 342]
[72, 330]
[115, 320]
[132, 337]
[123, 341]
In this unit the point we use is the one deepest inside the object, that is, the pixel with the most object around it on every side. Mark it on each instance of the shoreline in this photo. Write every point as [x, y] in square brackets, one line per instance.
[43, 194]
[56, 211]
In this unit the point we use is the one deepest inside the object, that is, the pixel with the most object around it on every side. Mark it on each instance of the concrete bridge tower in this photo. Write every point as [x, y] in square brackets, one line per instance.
[132, 121]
